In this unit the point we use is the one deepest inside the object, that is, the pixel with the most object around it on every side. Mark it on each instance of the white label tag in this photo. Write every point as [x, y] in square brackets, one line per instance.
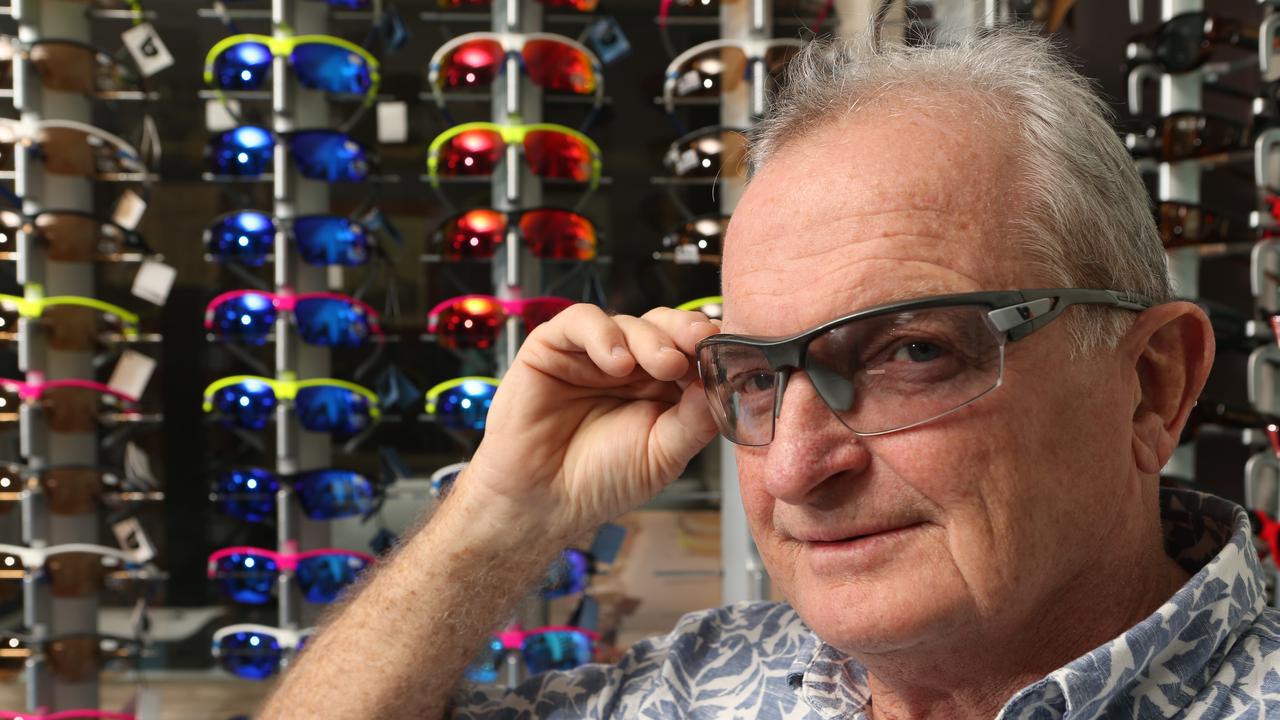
[147, 49]
[220, 115]
[133, 540]
[687, 255]
[688, 161]
[129, 210]
[132, 373]
[393, 121]
[689, 82]
[154, 281]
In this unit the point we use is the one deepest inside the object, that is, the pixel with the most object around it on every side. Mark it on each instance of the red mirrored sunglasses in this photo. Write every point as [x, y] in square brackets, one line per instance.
[549, 233]
[475, 321]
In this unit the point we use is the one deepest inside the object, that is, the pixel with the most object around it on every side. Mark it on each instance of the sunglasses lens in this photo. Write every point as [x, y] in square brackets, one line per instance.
[330, 494]
[243, 66]
[711, 72]
[327, 408]
[471, 64]
[707, 155]
[1192, 135]
[71, 237]
[331, 322]
[72, 68]
[473, 152]
[247, 578]
[465, 406]
[331, 240]
[245, 318]
[485, 667]
[556, 650]
[1179, 44]
[540, 310]
[14, 653]
[567, 576]
[71, 490]
[75, 659]
[585, 6]
[472, 322]
[329, 155]
[555, 154]
[698, 238]
[473, 235]
[560, 67]
[246, 237]
[777, 58]
[322, 578]
[72, 409]
[250, 655]
[243, 152]
[247, 494]
[248, 405]
[11, 485]
[76, 328]
[334, 69]
[77, 574]
[558, 235]
[77, 153]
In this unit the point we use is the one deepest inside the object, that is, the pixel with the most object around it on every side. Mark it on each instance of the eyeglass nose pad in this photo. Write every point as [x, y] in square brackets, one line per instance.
[835, 390]
[780, 389]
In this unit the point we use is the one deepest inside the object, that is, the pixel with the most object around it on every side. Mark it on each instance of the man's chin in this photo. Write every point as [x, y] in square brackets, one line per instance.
[873, 618]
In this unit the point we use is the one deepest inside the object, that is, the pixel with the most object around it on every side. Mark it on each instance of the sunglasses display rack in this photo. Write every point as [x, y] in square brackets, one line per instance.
[60, 629]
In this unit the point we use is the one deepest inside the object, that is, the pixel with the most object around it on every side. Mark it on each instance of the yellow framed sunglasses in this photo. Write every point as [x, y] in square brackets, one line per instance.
[327, 405]
[551, 151]
[712, 306]
[321, 62]
[73, 322]
[462, 403]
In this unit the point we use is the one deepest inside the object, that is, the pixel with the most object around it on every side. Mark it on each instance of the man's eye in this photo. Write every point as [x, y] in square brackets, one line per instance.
[754, 382]
[919, 351]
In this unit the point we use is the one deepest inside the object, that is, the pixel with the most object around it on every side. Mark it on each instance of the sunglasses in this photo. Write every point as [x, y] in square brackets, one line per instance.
[72, 322]
[67, 715]
[548, 233]
[75, 149]
[68, 406]
[712, 68]
[1185, 224]
[548, 648]
[820, 8]
[568, 575]
[586, 6]
[256, 652]
[323, 318]
[248, 237]
[249, 494]
[328, 155]
[553, 62]
[462, 403]
[711, 306]
[476, 321]
[551, 151]
[1187, 41]
[1229, 415]
[249, 402]
[707, 153]
[1189, 135]
[442, 479]
[1268, 529]
[696, 241]
[320, 62]
[248, 575]
[73, 658]
[72, 235]
[886, 368]
[73, 570]
[69, 66]
[69, 489]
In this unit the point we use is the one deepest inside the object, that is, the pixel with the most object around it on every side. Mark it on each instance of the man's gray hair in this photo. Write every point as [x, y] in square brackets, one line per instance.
[1087, 219]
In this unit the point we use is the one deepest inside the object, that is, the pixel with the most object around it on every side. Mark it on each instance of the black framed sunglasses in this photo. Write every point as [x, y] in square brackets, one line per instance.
[885, 368]
[1188, 40]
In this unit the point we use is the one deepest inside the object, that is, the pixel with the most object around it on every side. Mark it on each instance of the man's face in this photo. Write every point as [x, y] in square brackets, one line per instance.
[990, 512]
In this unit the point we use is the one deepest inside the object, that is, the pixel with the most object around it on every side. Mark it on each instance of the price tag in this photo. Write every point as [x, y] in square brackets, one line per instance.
[129, 210]
[393, 122]
[689, 83]
[133, 540]
[688, 161]
[147, 49]
[154, 281]
[220, 116]
[687, 255]
[132, 373]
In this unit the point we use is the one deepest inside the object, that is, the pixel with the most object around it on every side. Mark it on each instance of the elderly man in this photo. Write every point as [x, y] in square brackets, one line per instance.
[951, 472]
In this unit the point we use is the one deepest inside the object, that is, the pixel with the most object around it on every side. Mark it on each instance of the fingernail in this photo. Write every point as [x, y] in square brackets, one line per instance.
[618, 351]
[668, 348]
[704, 326]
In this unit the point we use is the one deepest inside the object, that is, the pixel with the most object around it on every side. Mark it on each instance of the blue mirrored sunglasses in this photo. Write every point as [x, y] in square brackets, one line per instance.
[320, 408]
[568, 575]
[253, 655]
[249, 577]
[327, 155]
[249, 494]
[248, 237]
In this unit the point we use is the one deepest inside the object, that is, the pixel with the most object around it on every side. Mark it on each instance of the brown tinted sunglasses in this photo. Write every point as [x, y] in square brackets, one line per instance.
[1190, 135]
[72, 658]
[695, 241]
[708, 153]
[70, 571]
[69, 489]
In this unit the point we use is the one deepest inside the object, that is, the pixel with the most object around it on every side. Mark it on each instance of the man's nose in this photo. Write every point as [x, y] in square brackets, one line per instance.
[810, 444]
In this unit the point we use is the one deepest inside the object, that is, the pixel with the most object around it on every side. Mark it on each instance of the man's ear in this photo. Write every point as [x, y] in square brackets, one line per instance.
[1172, 348]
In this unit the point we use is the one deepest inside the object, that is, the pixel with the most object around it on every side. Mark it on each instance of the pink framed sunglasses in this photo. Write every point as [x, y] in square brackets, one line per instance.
[65, 715]
[68, 405]
[248, 574]
[554, 647]
[475, 321]
[323, 318]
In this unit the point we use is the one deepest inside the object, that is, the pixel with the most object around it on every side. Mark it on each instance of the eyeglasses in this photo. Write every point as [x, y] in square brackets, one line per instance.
[69, 489]
[711, 306]
[72, 321]
[71, 571]
[321, 62]
[73, 235]
[586, 6]
[67, 715]
[74, 657]
[256, 652]
[248, 574]
[248, 402]
[553, 62]
[323, 318]
[248, 237]
[69, 406]
[707, 153]
[1184, 224]
[551, 151]
[462, 403]
[886, 368]
[475, 321]
[250, 493]
[442, 480]
[547, 648]
[75, 149]
[1186, 41]
[696, 241]
[69, 66]
[328, 155]
[1190, 135]
[712, 68]
[549, 233]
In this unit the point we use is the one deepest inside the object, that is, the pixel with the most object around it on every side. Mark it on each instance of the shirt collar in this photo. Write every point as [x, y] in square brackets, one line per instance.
[1152, 664]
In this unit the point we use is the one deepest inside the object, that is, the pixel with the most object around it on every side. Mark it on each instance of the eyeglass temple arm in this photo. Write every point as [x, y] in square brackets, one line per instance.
[1020, 320]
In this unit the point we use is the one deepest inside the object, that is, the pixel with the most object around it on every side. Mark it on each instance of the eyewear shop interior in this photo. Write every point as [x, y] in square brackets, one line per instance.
[264, 263]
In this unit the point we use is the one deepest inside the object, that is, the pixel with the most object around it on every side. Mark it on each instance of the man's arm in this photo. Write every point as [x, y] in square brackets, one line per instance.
[597, 414]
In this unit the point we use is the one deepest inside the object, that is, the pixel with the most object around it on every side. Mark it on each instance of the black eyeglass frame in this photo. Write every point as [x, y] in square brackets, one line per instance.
[1012, 315]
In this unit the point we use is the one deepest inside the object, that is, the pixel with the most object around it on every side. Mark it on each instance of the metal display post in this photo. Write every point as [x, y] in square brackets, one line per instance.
[295, 195]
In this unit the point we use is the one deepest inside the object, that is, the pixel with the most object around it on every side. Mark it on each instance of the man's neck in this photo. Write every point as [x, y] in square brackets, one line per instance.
[972, 676]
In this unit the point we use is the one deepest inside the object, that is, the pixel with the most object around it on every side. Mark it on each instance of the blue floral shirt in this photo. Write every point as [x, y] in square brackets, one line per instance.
[1211, 652]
